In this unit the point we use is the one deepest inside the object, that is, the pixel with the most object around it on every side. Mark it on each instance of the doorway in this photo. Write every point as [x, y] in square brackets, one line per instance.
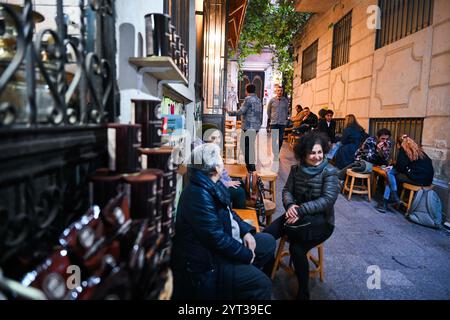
[253, 77]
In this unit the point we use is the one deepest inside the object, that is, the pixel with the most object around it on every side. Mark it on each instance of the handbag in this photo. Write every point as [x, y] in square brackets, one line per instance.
[309, 228]
[362, 166]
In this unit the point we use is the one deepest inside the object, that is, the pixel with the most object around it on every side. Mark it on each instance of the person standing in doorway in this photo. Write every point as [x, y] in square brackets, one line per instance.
[277, 116]
[251, 112]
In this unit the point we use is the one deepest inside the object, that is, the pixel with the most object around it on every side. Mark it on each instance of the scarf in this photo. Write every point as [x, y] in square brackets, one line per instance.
[312, 171]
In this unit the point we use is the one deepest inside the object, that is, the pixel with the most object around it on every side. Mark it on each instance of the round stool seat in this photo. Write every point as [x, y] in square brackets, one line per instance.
[358, 189]
[268, 176]
[352, 173]
[412, 188]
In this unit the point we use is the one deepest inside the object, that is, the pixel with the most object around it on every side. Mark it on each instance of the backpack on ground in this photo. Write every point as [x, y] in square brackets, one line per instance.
[426, 209]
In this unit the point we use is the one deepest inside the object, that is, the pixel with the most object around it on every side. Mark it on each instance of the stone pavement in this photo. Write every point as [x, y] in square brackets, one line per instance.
[414, 261]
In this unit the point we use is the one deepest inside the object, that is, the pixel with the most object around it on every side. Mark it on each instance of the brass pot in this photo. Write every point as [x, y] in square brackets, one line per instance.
[16, 94]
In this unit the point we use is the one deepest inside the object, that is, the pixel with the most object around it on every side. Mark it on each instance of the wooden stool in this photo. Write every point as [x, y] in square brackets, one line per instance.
[316, 260]
[269, 207]
[248, 214]
[377, 173]
[356, 189]
[294, 140]
[412, 191]
[230, 146]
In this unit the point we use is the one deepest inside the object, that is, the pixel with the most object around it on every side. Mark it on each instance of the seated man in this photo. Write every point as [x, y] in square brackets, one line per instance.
[215, 254]
[308, 122]
[373, 151]
[376, 150]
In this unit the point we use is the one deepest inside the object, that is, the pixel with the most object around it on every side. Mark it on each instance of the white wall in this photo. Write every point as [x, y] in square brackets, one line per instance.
[130, 15]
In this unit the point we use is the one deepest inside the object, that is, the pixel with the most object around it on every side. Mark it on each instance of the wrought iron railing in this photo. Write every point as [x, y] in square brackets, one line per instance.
[34, 85]
[51, 131]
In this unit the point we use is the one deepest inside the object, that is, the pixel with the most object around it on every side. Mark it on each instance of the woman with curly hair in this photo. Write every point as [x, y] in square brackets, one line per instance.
[308, 197]
[413, 166]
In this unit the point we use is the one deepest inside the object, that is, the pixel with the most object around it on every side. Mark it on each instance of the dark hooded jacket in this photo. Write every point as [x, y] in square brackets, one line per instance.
[203, 246]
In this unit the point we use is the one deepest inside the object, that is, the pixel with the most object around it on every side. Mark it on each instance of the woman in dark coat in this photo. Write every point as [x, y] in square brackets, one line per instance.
[216, 255]
[413, 166]
[351, 139]
[308, 197]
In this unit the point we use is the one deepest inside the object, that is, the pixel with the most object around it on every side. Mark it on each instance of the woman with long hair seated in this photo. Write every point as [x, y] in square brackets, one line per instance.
[413, 166]
[308, 197]
[351, 140]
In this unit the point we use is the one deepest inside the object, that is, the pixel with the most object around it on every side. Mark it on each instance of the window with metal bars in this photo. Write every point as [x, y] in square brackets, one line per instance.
[309, 62]
[339, 125]
[341, 41]
[413, 127]
[400, 18]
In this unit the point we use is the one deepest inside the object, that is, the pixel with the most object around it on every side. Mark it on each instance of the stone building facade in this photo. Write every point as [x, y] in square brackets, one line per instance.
[406, 78]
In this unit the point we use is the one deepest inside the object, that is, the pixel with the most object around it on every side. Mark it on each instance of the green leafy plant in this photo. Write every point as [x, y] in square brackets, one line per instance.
[271, 25]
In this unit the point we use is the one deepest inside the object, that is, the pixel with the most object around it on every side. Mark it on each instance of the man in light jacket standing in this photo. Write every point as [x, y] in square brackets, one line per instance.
[251, 112]
[277, 116]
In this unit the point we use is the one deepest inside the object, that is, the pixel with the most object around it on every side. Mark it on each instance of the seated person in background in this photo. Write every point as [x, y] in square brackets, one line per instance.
[376, 150]
[235, 188]
[321, 114]
[413, 166]
[373, 151]
[297, 119]
[327, 125]
[215, 254]
[352, 135]
[309, 121]
[309, 195]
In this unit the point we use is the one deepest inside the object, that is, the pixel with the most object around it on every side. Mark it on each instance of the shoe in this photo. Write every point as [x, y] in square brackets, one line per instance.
[381, 206]
[394, 200]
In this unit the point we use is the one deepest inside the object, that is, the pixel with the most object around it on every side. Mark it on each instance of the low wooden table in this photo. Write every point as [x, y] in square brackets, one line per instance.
[247, 214]
[236, 170]
[377, 172]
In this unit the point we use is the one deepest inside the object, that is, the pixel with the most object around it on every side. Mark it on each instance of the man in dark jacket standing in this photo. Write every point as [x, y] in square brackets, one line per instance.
[216, 255]
[251, 112]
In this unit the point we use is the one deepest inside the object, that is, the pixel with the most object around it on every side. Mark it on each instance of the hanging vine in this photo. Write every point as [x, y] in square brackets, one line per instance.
[271, 24]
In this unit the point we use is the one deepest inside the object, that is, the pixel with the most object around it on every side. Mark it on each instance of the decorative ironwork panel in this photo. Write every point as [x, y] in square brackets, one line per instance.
[57, 91]
[36, 88]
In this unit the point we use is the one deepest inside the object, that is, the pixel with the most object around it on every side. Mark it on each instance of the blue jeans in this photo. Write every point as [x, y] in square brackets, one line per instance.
[333, 150]
[391, 184]
[280, 136]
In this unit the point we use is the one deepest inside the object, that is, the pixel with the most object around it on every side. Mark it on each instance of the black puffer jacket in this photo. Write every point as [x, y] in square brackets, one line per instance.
[203, 244]
[314, 193]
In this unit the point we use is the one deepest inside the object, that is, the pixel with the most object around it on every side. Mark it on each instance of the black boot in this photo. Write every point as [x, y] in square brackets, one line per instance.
[382, 206]
[395, 199]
